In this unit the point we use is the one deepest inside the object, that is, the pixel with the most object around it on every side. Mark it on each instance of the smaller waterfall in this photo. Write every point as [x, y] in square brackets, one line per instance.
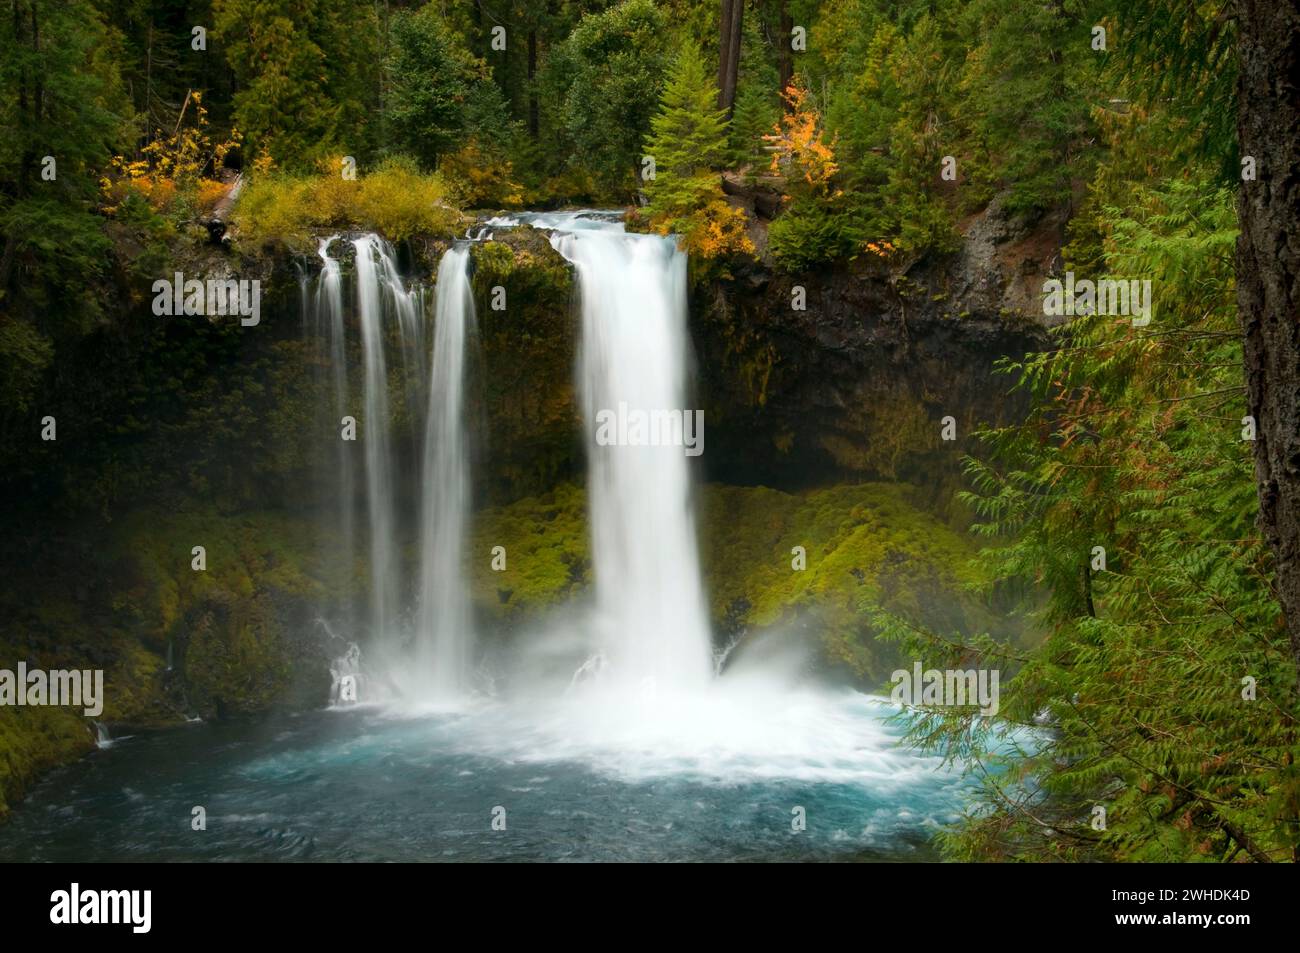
[345, 677]
[376, 438]
[381, 296]
[332, 330]
[444, 640]
[414, 461]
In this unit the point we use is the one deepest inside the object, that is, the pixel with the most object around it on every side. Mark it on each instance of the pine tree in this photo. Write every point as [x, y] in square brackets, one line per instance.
[754, 116]
[1027, 90]
[63, 112]
[431, 80]
[688, 139]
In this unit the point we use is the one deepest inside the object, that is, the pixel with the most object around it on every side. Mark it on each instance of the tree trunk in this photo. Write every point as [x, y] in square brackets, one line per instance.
[728, 89]
[784, 55]
[532, 88]
[724, 46]
[729, 29]
[1268, 266]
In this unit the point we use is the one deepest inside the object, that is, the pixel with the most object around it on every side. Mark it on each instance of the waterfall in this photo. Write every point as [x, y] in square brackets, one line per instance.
[651, 615]
[332, 329]
[650, 623]
[414, 458]
[444, 637]
[632, 292]
[375, 436]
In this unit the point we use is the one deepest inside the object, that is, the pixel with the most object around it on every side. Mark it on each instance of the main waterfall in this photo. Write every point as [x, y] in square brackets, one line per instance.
[651, 615]
[650, 622]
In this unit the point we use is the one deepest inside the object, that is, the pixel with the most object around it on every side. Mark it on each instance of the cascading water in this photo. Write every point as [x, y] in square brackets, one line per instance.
[651, 613]
[332, 330]
[376, 437]
[424, 653]
[650, 626]
[444, 640]
[619, 757]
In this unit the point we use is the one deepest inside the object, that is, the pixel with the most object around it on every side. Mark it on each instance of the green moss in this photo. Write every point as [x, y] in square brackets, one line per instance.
[864, 546]
[36, 739]
[234, 656]
[546, 554]
[245, 554]
[120, 600]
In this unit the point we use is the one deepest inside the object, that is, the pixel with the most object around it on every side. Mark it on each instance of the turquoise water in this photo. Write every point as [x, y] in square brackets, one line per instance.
[367, 784]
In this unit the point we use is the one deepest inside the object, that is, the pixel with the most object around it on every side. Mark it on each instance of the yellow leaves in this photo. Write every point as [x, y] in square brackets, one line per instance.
[209, 193]
[480, 179]
[263, 164]
[880, 249]
[181, 163]
[799, 148]
[713, 231]
[395, 199]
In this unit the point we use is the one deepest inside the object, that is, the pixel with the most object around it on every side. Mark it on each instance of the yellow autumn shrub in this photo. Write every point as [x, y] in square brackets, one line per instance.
[396, 199]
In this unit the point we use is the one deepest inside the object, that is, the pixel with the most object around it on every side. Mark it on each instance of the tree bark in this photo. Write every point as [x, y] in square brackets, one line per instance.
[784, 55]
[729, 31]
[724, 45]
[532, 88]
[1268, 267]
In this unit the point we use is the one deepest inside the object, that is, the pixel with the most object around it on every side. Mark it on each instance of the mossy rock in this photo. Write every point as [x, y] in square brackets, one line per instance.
[863, 546]
[33, 740]
[547, 555]
[232, 655]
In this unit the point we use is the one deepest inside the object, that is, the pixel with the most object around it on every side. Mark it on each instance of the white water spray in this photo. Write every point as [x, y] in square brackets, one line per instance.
[332, 329]
[423, 650]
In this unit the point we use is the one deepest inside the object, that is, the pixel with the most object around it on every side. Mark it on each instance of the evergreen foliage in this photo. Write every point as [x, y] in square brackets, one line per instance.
[1139, 697]
[431, 86]
[688, 138]
[305, 73]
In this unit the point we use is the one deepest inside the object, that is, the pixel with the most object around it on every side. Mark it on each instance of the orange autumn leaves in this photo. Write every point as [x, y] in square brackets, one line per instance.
[802, 155]
[800, 149]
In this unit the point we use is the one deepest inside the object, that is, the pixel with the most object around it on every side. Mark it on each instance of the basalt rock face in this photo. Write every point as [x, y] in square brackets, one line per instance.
[854, 386]
[524, 404]
[857, 383]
